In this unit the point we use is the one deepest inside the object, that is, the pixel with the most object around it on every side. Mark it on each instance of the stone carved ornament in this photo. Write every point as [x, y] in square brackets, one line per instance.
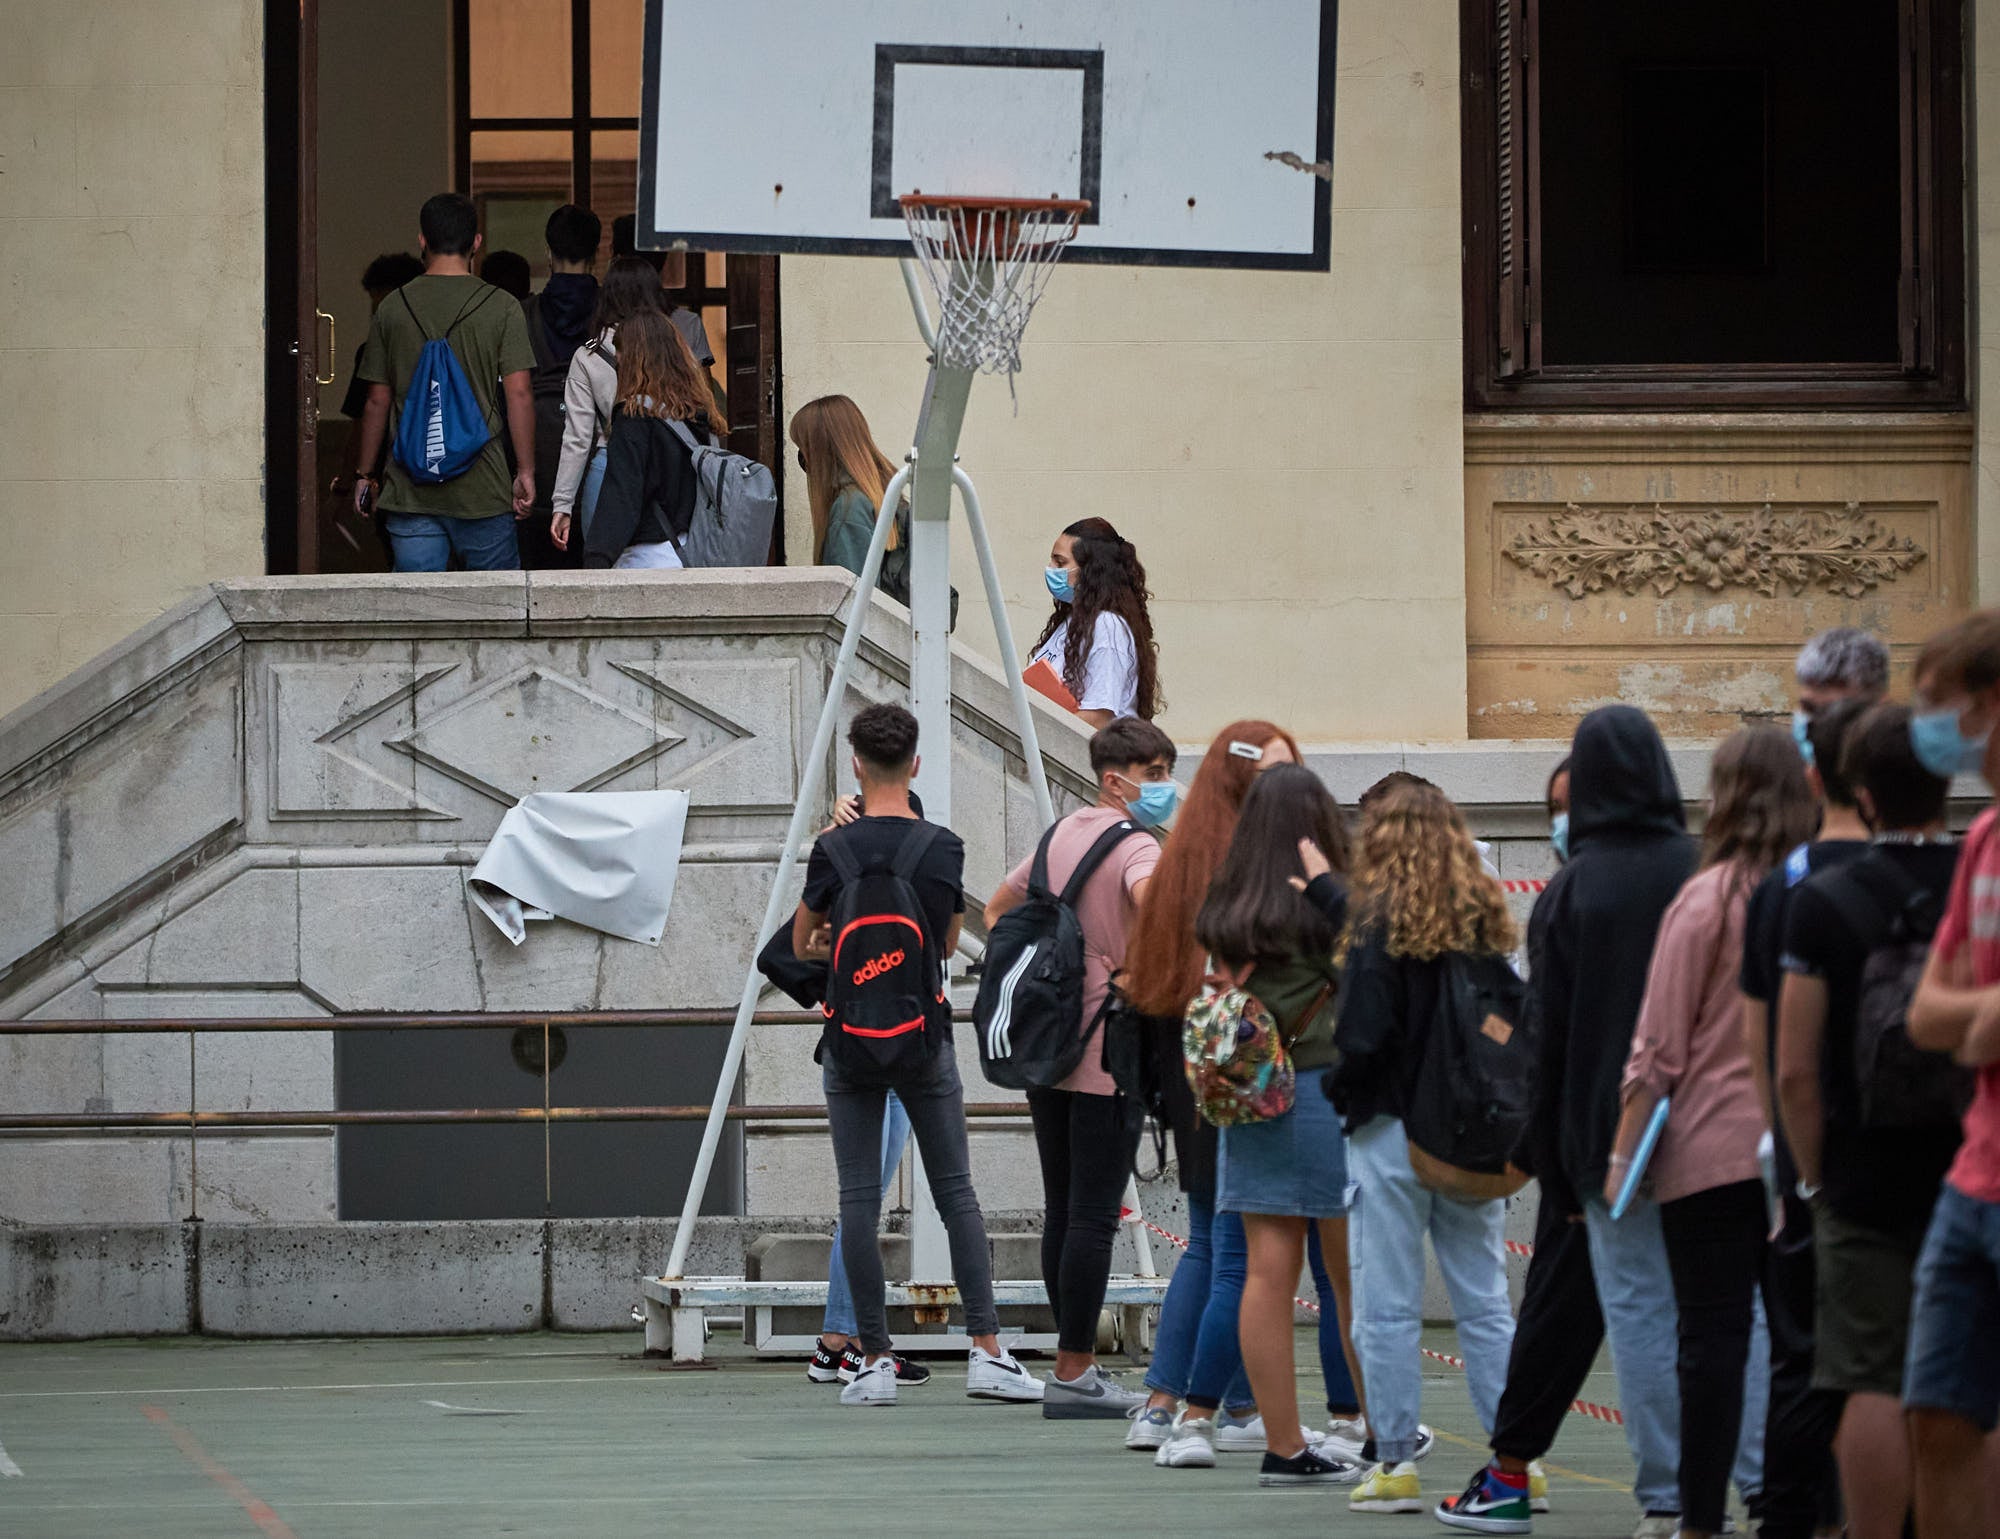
[1840, 549]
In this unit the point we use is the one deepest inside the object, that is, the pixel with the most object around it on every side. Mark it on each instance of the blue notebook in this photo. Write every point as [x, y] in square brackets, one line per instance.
[1641, 1157]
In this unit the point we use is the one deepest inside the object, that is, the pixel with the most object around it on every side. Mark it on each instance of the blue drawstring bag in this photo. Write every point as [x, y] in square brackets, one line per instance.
[442, 429]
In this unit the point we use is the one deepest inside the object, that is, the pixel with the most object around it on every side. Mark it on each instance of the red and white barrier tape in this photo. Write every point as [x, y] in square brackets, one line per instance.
[1590, 1408]
[1524, 884]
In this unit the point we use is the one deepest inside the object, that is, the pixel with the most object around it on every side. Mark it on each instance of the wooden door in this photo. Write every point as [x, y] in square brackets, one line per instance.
[297, 357]
[756, 408]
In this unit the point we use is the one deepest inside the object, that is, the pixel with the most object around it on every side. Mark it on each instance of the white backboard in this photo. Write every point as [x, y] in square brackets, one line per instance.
[794, 125]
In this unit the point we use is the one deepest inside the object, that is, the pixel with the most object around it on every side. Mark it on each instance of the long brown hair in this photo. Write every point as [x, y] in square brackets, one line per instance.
[839, 451]
[1419, 880]
[657, 374]
[1761, 807]
[631, 284]
[1252, 912]
[1109, 580]
[1162, 958]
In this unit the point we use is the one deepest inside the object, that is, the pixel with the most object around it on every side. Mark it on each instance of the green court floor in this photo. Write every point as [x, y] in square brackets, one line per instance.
[573, 1435]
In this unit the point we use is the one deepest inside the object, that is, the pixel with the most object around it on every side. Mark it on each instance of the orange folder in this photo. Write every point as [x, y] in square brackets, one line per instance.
[1044, 680]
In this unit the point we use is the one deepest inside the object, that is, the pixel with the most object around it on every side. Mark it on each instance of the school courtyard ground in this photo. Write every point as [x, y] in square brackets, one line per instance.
[577, 1435]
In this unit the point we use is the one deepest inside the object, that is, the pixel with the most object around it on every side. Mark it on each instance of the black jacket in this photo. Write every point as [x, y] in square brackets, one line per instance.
[1590, 941]
[648, 493]
[1387, 1004]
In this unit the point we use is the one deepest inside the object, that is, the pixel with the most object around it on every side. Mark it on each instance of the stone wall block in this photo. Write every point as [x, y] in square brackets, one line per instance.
[74, 1282]
[387, 938]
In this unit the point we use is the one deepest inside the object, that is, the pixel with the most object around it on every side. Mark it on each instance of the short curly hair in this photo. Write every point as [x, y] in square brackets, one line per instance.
[1845, 657]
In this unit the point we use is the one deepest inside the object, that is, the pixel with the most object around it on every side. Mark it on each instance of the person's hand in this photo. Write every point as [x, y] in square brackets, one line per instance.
[819, 944]
[1313, 858]
[846, 810]
[524, 492]
[364, 496]
[559, 531]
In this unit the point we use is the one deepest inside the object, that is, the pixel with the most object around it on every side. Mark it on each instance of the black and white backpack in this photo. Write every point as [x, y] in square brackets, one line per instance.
[1030, 1005]
[885, 979]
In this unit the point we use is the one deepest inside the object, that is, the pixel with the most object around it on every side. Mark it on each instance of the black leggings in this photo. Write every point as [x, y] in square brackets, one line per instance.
[1086, 1143]
[1556, 1338]
[1715, 1250]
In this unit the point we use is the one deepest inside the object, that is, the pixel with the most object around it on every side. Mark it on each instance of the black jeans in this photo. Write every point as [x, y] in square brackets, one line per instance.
[1086, 1143]
[1715, 1250]
[935, 1102]
[1556, 1338]
[1801, 1482]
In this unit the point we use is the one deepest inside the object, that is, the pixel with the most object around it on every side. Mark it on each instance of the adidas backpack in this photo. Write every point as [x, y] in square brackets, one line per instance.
[1030, 1005]
[885, 979]
[443, 428]
[735, 505]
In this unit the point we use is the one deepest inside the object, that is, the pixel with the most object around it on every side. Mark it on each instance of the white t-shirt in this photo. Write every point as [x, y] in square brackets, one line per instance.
[1110, 667]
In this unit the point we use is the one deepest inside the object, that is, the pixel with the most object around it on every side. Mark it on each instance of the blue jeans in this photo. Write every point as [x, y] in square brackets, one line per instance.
[1341, 1399]
[1642, 1324]
[1392, 1212]
[1215, 1373]
[1954, 1357]
[587, 492]
[421, 542]
[840, 1320]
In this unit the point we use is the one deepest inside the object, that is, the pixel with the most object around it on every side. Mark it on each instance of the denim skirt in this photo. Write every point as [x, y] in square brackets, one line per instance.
[1292, 1166]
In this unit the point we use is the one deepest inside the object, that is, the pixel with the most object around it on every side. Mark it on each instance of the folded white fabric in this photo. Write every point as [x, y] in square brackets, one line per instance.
[603, 859]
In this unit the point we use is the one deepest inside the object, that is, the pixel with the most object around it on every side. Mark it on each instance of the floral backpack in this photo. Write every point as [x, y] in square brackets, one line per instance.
[1239, 1064]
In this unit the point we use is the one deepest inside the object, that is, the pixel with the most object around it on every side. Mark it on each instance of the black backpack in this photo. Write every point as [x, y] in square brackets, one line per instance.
[885, 979]
[546, 384]
[1475, 1083]
[1030, 1005]
[1898, 1085]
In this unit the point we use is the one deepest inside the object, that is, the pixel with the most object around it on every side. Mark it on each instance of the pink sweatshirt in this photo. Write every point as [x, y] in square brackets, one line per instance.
[1688, 1043]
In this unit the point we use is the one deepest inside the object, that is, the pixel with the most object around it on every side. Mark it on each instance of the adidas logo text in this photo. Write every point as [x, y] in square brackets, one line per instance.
[886, 962]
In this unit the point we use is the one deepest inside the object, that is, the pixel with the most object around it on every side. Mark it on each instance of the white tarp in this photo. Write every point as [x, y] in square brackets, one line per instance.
[603, 859]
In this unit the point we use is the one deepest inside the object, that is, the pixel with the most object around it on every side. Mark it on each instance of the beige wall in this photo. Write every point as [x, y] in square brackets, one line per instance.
[131, 317]
[1284, 448]
[384, 147]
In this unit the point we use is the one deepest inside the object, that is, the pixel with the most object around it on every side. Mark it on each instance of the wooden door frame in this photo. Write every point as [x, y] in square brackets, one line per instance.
[291, 286]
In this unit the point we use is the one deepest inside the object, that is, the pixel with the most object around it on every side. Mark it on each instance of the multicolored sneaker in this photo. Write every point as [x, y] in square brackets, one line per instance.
[826, 1364]
[1488, 1505]
[1388, 1489]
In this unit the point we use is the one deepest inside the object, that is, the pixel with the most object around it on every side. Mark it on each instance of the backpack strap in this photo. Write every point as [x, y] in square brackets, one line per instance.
[1038, 871]
[1860, 909]
[469, 308]
[916, 844]
[845, 866]
[1094, 857]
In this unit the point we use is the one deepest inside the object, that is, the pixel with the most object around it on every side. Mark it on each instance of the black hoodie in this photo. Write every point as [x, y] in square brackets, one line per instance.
[1591, 939]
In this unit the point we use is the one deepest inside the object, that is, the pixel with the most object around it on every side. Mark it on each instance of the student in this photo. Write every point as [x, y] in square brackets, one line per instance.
[1704, 1174]
[1589, 949]
[1801, 1485]
[1419, 897]
[1290, 1172]
[1842, 663]
[845, 477]
[1559, 1328]
[1099, 637]
[836, 1356]
[559, 323]
[1086, 1133]
[472, 515]
[884, 740]
[686, 322]
[647, 501]
[590, 396]
[509, 272]
[1951, 1382]
[382, 277]
[1873, 1188]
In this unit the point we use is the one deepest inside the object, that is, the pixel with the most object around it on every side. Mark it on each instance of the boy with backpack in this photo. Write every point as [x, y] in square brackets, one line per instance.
[559, 322]
[1085, 878]
[442, 352]
[883, 905]
[1872, 1122]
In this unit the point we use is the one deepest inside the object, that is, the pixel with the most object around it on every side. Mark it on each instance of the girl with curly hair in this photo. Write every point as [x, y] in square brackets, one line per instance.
[1420, 896]
[1099, 637]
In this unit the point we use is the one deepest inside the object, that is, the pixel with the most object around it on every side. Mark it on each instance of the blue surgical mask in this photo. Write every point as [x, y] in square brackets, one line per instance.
[1559, 835]
[1941, 748]
[1155, 803]
[1802, 734]
[1061, 589]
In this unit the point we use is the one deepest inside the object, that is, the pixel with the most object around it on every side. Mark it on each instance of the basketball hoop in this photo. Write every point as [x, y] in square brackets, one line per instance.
[987, 260]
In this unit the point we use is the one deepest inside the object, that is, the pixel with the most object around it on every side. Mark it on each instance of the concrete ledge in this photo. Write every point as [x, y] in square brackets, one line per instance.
[69, 1282]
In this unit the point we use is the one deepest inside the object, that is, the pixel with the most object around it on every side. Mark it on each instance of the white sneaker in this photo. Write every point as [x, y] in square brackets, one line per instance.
[1233, 1436]
[1345, 1436]
[1151, 1427]
[875, 1384]
[1655, 1525]
[1191, 1447]
[999, 1378]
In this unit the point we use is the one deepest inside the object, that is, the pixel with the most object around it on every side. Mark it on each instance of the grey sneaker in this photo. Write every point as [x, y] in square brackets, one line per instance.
[1094, 1396]
[1150, 1428]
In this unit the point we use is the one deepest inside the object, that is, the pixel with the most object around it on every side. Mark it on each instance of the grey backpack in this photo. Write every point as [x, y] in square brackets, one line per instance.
[735, 505]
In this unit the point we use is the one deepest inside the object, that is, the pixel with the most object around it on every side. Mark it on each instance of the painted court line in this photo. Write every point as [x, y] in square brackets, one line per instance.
[258, 1510]
[276, 1389]
[9, 1470]
[470, 1410]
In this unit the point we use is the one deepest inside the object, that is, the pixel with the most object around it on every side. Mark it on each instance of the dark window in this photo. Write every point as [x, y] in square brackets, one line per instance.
[1713, 203]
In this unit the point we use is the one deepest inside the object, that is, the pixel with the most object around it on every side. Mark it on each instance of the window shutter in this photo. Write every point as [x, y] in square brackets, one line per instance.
[1516, 217]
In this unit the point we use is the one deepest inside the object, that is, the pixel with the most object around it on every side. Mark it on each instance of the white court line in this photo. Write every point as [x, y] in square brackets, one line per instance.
[471, 1410]
[268, 1389]
[9, 1470]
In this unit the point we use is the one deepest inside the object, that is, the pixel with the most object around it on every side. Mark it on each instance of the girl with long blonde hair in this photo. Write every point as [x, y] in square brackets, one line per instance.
[1420, 900]
[647, 502]
[846, 474]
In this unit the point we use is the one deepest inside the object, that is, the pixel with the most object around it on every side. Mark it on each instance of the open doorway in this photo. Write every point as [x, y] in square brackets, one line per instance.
[373, 105]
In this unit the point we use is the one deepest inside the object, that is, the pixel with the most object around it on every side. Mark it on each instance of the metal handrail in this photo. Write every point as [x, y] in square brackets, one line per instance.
[547, 1114]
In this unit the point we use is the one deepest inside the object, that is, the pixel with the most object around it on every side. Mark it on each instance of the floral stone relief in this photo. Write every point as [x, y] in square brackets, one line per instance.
[1839, 549]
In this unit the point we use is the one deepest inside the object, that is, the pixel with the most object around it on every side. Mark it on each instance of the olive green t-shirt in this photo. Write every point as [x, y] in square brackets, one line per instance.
[491, 341]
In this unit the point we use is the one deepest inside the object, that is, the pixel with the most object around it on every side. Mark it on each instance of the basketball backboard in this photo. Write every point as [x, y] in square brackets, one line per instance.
[1195, 128]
